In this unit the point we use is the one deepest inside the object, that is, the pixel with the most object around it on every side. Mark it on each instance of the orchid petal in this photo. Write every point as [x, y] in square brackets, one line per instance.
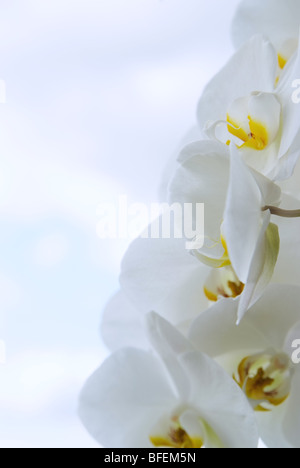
[271, 429]
[162, 275]
[278, 20]
[276, 313]
[119, 403]
[194, 134]
[243, 215]
[262, 268]
[252, 68]
[169, 344]
[203, 178]
[264, 326]
[291, 422]
[153, 268]
[219, 322]
[287, 269]
[290, 110]
[228, 413]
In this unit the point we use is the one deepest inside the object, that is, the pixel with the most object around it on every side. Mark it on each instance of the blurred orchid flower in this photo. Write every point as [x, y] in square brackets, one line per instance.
[258, 353]
[245, 173]
[178, 398]
[278, 20]
[241, 244]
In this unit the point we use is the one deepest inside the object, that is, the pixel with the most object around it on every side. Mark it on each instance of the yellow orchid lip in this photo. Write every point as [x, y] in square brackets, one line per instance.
[226, 284]
[255, 120]
[170, 433]
[258, 137]
[177, 438]
[223, 281]
[265, 379]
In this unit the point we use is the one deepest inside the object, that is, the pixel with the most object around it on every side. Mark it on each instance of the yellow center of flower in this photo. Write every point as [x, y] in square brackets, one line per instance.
[256, 139]
[265, 379]
[172, 432]
[255, 120]
[223, 281]
[176, 438]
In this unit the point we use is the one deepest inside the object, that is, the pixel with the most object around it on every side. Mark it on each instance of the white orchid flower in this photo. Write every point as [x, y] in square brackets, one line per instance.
[161, 275]
[278, 20]
[258, 353]
[241, 247]
[177, 399]
[241, 244]
[292, 185]
[194, 134]
[243, 104]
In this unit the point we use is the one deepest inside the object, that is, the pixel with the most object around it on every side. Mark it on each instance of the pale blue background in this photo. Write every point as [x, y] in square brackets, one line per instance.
[99, 93]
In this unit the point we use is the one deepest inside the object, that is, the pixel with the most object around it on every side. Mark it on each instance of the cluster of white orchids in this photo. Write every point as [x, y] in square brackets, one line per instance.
[203, 341]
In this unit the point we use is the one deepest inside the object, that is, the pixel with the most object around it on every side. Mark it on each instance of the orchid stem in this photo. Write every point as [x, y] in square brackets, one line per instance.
[282, 213]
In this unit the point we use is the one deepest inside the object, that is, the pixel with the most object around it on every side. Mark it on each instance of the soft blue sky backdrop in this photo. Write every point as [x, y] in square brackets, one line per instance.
[99, 93]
